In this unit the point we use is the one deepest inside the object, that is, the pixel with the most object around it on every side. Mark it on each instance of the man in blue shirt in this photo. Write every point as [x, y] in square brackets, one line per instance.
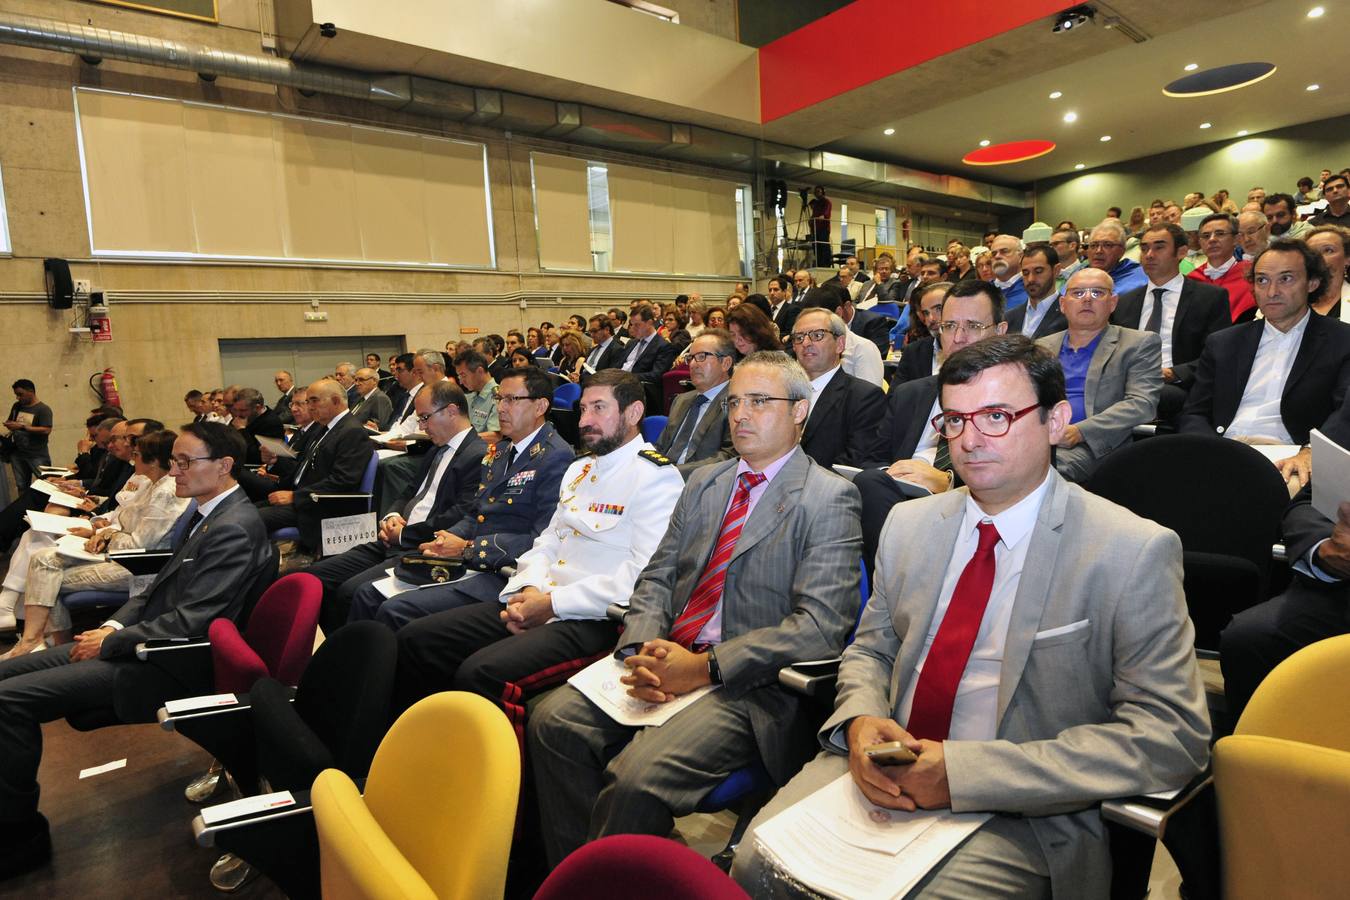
[1106, 251]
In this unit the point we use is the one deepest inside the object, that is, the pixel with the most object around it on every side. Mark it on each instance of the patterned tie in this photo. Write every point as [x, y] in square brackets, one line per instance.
[679, 447]
[708, 592]
[943, 459]
[930, 716]
[1154, 323]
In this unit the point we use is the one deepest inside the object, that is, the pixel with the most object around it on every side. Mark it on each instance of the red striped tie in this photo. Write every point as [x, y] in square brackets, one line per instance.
[708, 592]
[930, 715]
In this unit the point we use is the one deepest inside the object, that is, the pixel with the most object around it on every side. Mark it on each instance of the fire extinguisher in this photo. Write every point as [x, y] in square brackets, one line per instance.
[106, 388]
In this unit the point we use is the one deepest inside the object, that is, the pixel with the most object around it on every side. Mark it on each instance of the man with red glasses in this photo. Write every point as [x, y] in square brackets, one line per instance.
[1033, 675]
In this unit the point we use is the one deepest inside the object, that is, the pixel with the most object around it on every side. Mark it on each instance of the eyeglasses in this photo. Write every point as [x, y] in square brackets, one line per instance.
[753, 402]
[815, 335]
[1214, 235]
[511, 398]
[990, 421]
[422, 419]
[183, 463]
[1251, 232]
[704, 355]
[1104, 245]
[1088, 293]
[366, 378]
[975, 328]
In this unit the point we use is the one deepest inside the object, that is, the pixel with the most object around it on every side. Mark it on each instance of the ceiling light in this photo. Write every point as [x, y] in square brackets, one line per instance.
[1219, 79]
[1242, 133]
[984, 143]
[1191, 67]
[1206, 125]
[1055, 95]
[888, 132]
[1010, 152]
[1104, 138]
[1071, 117]
[1080, 166]
[1313, 87]
[1316, 12]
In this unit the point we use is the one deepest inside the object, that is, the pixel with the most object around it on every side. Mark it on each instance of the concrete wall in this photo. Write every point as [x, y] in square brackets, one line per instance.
[1274, 160]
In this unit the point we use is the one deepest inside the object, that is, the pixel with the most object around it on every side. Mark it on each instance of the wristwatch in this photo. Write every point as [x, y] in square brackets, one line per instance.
[714, 670]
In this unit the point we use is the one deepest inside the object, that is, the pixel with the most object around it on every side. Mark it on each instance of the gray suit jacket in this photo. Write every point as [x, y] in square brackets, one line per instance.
[711, 440]
[791, 591]
[377, 406]
[1099, 695]
[1123, 383]
[210, 575]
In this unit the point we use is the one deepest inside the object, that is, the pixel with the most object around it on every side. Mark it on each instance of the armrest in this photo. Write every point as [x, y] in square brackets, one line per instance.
[1279, 553]
[1145, 430]
[616, 611]
[157, 646]
[815, 678]
[170, 721]
[188, 662]
[205, 834]
[1150, 815]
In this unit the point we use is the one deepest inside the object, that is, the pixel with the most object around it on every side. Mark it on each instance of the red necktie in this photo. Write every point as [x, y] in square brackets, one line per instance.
[930, 716]
[708, 592]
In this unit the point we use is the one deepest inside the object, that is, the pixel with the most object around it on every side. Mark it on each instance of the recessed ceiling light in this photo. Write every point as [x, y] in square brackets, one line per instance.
[1080, 166]
[1313, 87]
[888, 132]
[1071, 117]
[1206, 125]
[1219, 79]
[984, 143]
[1010, 152]
[1191, 67]
[1316, 12]
[1055, 95]
[1242, 133]
[1104, 138]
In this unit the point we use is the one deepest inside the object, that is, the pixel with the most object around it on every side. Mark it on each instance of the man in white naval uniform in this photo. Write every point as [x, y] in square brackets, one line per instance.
[613, 507]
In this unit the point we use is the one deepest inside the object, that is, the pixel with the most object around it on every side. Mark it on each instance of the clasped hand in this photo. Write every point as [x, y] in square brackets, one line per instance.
[444, 545]
[527, 609]
[663, 670]
[919, 785]
[88, 643]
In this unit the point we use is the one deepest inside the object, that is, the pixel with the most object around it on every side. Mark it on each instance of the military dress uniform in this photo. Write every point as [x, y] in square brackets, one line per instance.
[516, 499]
[611, 515]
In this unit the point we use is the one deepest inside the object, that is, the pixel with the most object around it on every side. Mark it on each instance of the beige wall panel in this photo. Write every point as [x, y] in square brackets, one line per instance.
[390, 195]
[639, 204]
[36, 122]
[456, 203]
[137, 173]
[317, 189]
[46, 215]
[232, 177]
[703, 219]
[562, 212]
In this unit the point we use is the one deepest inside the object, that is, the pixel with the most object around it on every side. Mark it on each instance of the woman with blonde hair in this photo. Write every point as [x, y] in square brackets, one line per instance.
[575, 347]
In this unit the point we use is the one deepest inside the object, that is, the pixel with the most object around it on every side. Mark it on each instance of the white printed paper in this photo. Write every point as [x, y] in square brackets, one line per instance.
[191, 704]
[106, 767]
[1331, 475]
[57, 496]
[276, 446]
[46, 523]
[342, 533]
[72, 547]
[246, 807]
[600, 684]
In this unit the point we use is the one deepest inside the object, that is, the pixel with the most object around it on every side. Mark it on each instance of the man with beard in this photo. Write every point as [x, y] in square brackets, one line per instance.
[1007, 251]
[613, 507]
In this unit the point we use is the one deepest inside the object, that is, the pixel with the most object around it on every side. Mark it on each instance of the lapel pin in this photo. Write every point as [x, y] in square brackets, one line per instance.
[780, 509]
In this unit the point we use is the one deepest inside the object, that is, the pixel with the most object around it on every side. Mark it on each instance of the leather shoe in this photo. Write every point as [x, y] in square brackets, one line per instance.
[24, 847]
[205, 786]
[230, 873]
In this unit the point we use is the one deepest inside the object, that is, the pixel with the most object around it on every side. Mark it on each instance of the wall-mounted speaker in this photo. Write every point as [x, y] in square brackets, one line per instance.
[60, 286]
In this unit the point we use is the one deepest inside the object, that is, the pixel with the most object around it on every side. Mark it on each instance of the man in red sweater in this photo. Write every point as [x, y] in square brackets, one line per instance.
[1218, 238]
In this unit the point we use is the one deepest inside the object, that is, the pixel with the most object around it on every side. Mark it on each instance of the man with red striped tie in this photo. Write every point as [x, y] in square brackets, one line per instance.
[1026, 639]
[758, 570]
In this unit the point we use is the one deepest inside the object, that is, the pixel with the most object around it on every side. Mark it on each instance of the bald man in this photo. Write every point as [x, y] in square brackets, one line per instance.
[372, 408]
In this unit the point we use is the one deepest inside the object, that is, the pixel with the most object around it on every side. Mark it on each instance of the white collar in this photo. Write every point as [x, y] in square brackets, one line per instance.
[525, 441]
[1173, 286]
[210, 506]
[818, 383]
[1294, 334]
[1220, 270]
[1015, 522]
[1004, 285]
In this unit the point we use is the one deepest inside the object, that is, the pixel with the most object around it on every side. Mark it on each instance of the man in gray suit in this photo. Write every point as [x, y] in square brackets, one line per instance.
[758, 569]
[697, 432]
[1113, 375]
[373, 408]
[1035, 674]
[221, 558]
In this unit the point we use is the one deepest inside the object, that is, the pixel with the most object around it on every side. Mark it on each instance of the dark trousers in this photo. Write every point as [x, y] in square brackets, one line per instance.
[1260, 638]
[399, 610]
[43, 687]
[469, 649]
[343, 575]
[820, 237]
[12, 521]
[879, 493]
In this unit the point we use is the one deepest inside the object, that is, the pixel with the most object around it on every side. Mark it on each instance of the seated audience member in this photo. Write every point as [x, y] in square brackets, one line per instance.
[881, 287]
[333, 464]
[219, 413]
[373, 363]
[147, 508]
[675, 331]
[697, 432]
[518, 489]
[480, 391]
[861, 358]
[1067, 246]
[1106, 251]
[373, 408]
[1333, 243]
[921, 358]
[1183, 312]
[278, 473]
[865, 323]
[778, 306]
[614, 506]
[757, 570]
[1336, 192]
[908, 328]
[844, 278]
[1253, 233]
[490, 347]
[221, 555]
[648, 355]
[1007, 253]
[844, 413]
[573, 349]
[252, 417]
[394, 475]
[345, 375]
[984, 266]
[752, 330]
[1112, 375]
[1314, 605]
[697, 310]
[90, 452]
[971, 311]
[1282, 216]
[1041, 314]
[285, 383]
[608, 350]
[446, 486]
[996, 649]
[1218, 240]
[959, 267]
[198, 405]
[1273, 380]
[403, 385]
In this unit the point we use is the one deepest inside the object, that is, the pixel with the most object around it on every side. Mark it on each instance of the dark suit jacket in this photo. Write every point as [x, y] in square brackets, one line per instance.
[711, 440]
[377, 406]
[1052, 321]
[454, 495]
[654, 361]
[874, 327]
[337, 460]
[844, 426]
[211, 575]
[787, 317]
[892, 291]
[268, 424]
[612, 358]
[908, 410]
[283, 408]
[916, 361]
[1202, 310]
[1316, 386]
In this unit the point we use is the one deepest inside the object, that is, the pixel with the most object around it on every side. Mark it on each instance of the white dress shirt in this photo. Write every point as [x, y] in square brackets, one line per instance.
[424, 506]
[1035, 315]
[1169, 313]
[817, 385]
[862, 359]
[975, 713]
[1258, 415]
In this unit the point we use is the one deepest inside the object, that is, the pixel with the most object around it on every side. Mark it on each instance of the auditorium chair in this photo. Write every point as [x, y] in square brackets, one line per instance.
[674, 382]
[436, 814]
[334, 719]
[565, 396]
[652, 426]
[339, 503]
[664, 869]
